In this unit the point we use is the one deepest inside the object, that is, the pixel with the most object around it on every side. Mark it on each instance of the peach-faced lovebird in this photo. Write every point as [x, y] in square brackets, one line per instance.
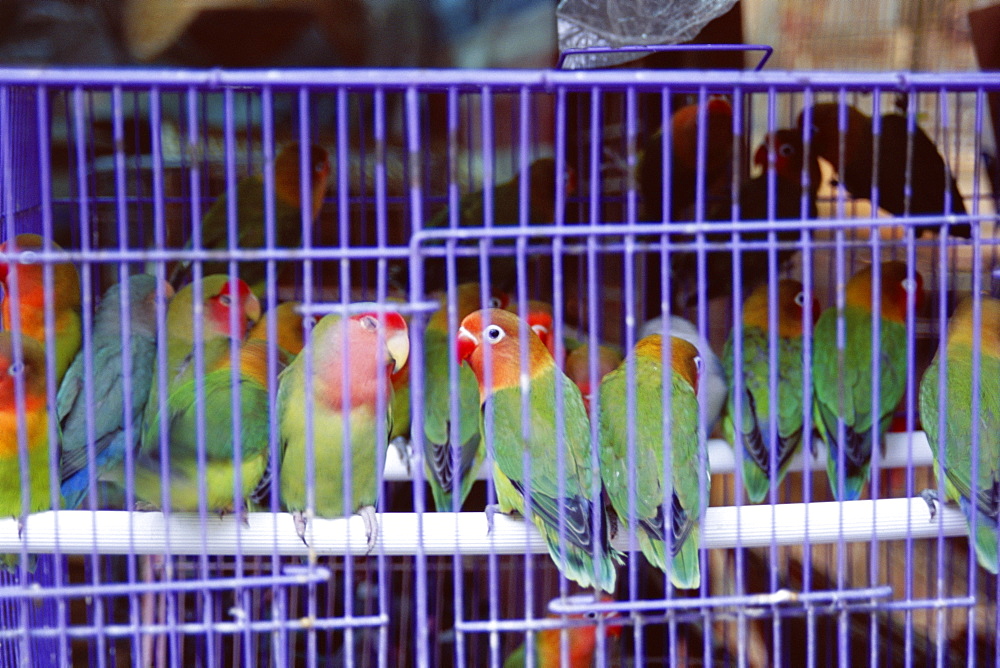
[930, 179]
[582, 639]
[250, 217]
[562, 504]
[65, 299]
[754, 429]
[107, 390]
[713, 386]
[186, 422]
[955, 474]
[842, 377]
[440, 452]
[33, 416]
[542, 185]
[372, 346]
[655, 497]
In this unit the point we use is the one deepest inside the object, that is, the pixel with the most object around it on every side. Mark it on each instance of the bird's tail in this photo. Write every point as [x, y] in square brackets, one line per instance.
[577, 563]
[685, 569]
[986, 537]
[854, 481]
[756, 481]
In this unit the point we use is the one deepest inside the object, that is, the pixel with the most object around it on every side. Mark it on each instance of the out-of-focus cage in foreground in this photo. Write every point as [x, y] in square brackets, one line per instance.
[118, 168]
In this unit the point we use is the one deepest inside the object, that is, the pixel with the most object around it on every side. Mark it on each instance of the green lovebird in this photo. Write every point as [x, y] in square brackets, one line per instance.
[842, 379]
[582, 640]
[681, 493]
[558, 497]
[216, 477]
[542, 185]
[371, 347]
[956, 471]
[31, 369]
[107, 392]
[65, 300]
[439, 454]
[250, 218]
[755, 427]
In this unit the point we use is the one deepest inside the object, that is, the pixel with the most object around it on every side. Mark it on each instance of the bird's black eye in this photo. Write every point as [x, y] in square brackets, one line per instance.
[494, 334]
[369, 323]
[225, 300]
[15, 369]
[494, 302]
[591, 615]
[800, 298]
[786, 150]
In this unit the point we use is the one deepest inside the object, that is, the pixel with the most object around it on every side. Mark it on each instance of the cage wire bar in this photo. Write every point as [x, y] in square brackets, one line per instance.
[121, 168]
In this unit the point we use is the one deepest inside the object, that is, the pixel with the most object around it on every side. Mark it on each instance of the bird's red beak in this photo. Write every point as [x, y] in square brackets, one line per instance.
[465, 344]
[760, 156]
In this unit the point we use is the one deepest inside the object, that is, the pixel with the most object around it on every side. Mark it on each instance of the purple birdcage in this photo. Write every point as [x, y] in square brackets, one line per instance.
[574, 189]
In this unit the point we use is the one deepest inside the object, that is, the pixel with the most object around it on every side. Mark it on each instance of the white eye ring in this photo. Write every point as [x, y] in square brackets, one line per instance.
[909, 284]
[786, 150]
[494, 334]
[225, 300]
[494, 302]
[369, 323]
[800, 298]
[15, 369]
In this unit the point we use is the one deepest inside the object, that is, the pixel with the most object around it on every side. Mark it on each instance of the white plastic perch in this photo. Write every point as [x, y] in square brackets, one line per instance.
[722, 457]
[120, 532]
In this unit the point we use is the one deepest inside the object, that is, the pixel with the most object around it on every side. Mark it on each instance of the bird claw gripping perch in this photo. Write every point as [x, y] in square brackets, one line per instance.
[371, 526]
[491, 510]
[299, 519]
[930, 497]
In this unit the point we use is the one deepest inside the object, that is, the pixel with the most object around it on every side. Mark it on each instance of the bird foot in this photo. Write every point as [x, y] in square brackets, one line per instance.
[299, 518]
[371, 525]
[20, 528]
[930, 497]
[402, 445]
[491, 510]
[145, 507]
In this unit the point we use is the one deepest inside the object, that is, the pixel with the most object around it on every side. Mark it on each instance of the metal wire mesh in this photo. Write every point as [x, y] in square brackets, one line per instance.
[120, 167]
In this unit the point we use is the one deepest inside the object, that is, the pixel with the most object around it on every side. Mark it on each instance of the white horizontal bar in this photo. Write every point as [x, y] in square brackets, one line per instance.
[722, 457]
[109, 532]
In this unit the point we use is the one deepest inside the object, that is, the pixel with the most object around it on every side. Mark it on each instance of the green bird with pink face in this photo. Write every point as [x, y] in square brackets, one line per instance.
[660, 509]
[372, 345]
[564, 497]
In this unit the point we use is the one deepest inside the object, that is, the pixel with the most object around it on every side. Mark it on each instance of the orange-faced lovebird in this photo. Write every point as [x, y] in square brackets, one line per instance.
[107, 411]
[251, 219]
[842, 377]
[562, 501]
[34, 421]
[288, 327]
[683, 167]
[372, 346]
[953, 466]
[930, 180]
[65, 299]
[582, 639]
[661, 510]
[193, 422]
[754, 427]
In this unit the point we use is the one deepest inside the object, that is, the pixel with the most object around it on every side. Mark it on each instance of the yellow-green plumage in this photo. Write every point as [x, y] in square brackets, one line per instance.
[681, 492]
[957, 437]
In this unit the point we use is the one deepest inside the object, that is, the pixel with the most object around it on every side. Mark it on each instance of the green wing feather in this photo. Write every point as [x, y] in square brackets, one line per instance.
[756, 407]
[849, 373]
[651, 490]
[575, 506]
[439, 456]
[958, 442]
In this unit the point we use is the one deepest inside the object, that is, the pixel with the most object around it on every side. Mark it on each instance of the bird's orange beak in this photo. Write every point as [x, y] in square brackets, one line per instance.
[465, 344]
[760, 156]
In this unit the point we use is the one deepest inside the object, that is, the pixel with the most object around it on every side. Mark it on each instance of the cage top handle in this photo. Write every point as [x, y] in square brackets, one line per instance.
[767, 49]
